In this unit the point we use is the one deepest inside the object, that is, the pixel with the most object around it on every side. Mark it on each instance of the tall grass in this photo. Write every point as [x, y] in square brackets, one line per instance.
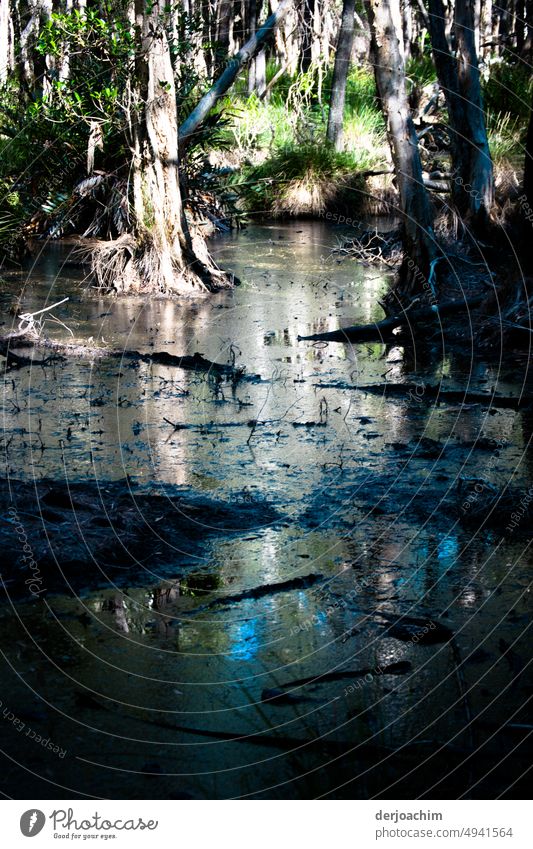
[506, 134]
[284, 164]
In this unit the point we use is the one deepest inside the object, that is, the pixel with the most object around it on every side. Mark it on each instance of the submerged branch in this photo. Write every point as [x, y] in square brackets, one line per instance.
[384, 331]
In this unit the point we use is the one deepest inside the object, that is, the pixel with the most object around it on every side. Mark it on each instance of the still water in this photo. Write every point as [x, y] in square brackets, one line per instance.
[149, 688]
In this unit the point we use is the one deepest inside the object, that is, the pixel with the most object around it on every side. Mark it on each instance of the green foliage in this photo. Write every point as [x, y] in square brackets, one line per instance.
[361, 90]
[420, 71]
[506, 135]
[509, 88]
[507, 96]
[308, 170]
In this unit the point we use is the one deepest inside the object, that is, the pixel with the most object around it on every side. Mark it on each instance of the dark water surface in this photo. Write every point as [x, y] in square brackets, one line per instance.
[145, 686]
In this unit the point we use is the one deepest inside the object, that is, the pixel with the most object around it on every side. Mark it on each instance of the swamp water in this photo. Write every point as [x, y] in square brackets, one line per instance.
[184, 678]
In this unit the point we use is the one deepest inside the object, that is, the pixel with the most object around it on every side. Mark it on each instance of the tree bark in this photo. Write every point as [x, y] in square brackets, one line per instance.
[528, 164]
[225, 9]
[7, 53]
[479, 186]
[159, 255]
[418, 236]
[340, 74]
[308, 33]
[472, 183]
[448, 77]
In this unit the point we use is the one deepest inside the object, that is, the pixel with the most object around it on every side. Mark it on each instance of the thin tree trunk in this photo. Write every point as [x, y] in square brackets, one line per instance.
[252, 28]
[308, 34]
[340, 74]
[7, 54]
[527, 50]
[528, 164]
[486, 28]
[225, 9]
[479, 172]
[419, 240]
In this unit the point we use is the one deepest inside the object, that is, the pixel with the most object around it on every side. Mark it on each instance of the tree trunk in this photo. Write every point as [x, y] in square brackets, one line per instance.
[159, 255]
[478, 173]
[307, 24]
[472, 184]
[225, 9]
[447, 74]
[527, 50]
[7, 52]
[528, 164]
[340, 74]
[252, 28]
[486, 29]
[419, 240]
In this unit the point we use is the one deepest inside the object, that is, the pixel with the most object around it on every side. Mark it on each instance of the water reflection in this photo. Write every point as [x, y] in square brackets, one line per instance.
[365, 507]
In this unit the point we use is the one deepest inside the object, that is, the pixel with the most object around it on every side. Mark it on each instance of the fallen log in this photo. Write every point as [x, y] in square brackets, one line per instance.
[194, 362]
[383, 331]
[428, 392]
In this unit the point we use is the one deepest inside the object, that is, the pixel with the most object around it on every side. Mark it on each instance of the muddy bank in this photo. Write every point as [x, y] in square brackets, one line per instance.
[83, 535]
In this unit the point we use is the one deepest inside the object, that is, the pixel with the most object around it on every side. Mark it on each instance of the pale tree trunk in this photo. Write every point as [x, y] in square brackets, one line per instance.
[407, 28]
[7, 52]
[527, 50]
[252, 28]
[158, 256]
[257, 68]
[26, 44]
[486, 29]
[340, 74]
[476, 18]
[64, 65]
[418, 236]
[478, 174]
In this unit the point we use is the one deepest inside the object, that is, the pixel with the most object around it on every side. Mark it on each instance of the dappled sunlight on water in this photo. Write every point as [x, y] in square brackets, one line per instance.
[134, 676]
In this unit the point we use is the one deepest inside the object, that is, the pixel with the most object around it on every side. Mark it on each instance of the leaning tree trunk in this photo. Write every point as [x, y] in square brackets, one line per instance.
[478, 174]
[228, 77]
[158, 255]
[340, 74]
[419, 240]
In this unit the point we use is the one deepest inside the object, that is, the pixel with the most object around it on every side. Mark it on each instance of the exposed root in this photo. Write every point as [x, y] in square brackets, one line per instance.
[375, 247]
[124, 266]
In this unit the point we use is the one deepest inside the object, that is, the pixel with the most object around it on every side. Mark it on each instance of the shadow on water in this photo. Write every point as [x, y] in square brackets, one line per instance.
[143, 656]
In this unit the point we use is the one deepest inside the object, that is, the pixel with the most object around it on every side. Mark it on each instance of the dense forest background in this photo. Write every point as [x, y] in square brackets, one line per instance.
[146, 125]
